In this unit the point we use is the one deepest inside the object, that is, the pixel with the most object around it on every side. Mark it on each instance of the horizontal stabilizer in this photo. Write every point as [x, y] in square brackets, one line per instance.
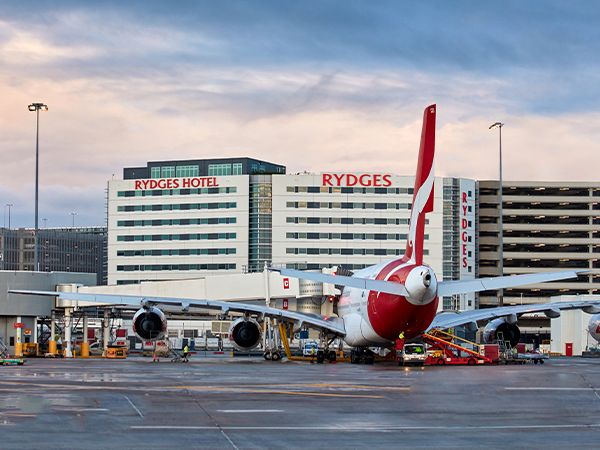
[388, 287]
[446, 288]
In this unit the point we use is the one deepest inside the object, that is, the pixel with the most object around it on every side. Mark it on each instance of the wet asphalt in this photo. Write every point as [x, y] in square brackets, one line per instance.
[248, 403]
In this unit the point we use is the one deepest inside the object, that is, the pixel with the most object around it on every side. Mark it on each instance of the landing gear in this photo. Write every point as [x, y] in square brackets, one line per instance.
[272, 355]
[369, 358]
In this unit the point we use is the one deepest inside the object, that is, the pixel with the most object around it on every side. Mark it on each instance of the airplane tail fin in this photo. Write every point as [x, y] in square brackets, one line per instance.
[423, 195]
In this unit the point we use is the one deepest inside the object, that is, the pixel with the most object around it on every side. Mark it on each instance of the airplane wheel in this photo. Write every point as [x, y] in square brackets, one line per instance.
[441, 362]
[369, 359]
[471, 362]
[267, 355]
[535, 361]
[320, 357]
[541, 361]
[354, 359]
[276, 356]
[332, 357]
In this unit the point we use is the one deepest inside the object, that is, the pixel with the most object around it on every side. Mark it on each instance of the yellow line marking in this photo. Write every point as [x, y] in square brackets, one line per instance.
[197, 388]
[269, 391]
[19, 415]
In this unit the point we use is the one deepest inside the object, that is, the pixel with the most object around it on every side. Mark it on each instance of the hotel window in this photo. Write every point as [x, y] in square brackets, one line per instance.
[237, 169]
[168, 172]
[155, 172]
[215, 170]
[187, 171]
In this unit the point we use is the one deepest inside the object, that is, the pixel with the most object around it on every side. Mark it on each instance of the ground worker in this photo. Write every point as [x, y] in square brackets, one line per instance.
[313, 353]
[400, 341]
[185, 353]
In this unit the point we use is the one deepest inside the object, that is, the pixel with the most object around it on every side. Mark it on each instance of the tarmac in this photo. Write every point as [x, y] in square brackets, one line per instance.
[249, 403]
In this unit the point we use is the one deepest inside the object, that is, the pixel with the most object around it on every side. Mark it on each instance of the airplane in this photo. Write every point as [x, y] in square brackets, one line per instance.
[377, 303]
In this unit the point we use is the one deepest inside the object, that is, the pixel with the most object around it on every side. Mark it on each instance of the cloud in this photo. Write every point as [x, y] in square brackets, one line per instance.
[317, 86]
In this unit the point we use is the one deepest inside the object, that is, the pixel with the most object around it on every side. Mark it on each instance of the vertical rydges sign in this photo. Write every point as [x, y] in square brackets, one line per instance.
[467, 237]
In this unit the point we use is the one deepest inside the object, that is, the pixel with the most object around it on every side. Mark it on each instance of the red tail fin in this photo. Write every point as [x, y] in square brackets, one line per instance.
[423, 195]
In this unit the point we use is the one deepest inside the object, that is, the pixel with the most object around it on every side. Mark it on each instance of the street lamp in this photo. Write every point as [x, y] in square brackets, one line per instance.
[73, 214]
[45, 222]
[36, 107]
[499, 125]
[9, 205]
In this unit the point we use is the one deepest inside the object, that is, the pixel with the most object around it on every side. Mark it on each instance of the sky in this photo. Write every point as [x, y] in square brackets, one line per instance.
[318, 86]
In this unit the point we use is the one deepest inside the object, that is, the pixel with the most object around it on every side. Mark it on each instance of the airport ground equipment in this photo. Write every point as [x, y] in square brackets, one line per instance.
[411, 354]
[536, 358]
[11, 361]
[320, 357]
[449, 349]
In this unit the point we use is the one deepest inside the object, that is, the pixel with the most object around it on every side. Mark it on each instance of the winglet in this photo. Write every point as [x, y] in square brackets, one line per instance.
[423, 195]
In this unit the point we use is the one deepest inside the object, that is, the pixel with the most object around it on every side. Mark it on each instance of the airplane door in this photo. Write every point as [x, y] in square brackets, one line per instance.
[569, 349]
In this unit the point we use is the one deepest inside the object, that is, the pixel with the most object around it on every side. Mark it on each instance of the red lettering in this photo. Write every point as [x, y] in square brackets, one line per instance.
[175, 183]
[327, 179]
[464, 236]
[169, 185]
[464, 262]
[354, 180]
[215, 184]
[464, 223]
[464, 249]
[145, 183]
[464, 197]
[338, 178]
[209, 182]
[162, 184]
[153, 184]
[186, 182]
[195, 182]
[386, 181]
[362, 183]
[138, 184]
[464, 210]
[376, 181]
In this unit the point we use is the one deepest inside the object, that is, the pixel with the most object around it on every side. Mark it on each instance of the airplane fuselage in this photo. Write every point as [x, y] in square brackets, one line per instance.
[376, 318]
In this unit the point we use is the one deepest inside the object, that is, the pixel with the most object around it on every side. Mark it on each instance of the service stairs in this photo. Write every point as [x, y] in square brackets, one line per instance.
[450, 343]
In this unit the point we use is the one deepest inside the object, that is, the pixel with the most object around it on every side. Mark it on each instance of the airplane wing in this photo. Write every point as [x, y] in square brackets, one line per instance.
[446, 288]
[454, 319]
[388, 287]
[333, 325]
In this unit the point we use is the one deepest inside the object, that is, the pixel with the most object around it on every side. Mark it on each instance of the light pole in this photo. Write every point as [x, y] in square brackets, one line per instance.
[36, 107]
[73, 214]
[45, 222]
[499, 125]
[9, 205]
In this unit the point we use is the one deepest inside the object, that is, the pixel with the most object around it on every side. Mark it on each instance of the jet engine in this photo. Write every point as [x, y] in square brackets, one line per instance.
[509, 332]
[149, 324]
[245, 334]
[594, 327]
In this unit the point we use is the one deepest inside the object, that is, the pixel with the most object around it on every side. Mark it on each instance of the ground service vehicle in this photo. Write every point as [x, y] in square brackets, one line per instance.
[411, 354]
